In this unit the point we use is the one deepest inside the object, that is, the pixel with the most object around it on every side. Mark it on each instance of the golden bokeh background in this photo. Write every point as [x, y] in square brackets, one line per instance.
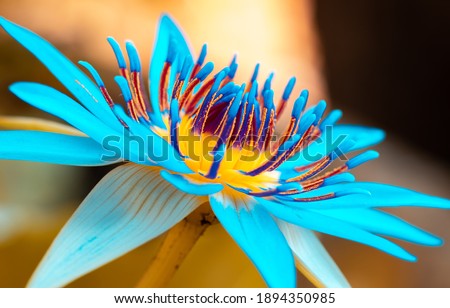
[36, 199]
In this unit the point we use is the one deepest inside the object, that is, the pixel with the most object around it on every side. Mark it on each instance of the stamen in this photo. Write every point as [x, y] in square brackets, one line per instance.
[235, 89]
[318, 181]
[201, 75]
[304, 129]
[219, 109]
[238, 117]
[199, 122]
[233, 68]
[331, 119]
[181, 77]
[317, 198]
[268, 126]
[352, 191]
[231, 117]
[218, 155]
[282, 189]
[141, 102]
[98, 80]
[229, 88]
[326, 181]
[287, 92]
[200, 61]
[187, 65]
[265, 117]
[256, 123]
[362, 158]
[127, 96]
[253, 79]
[219, 128]
[178, 81]
[299, 106]
[337, 194]
[197, 97]
[245, 132]
[124, 87]
[174, 121]
[267, 84]
[163, 86]
[223, 140]
[336, 175]
[255, 73]
[205, 71]
[315, 168]
[323, 163]
[117, 52]
[234, 140]
[292, 149]
[339, 178]
[244, 126]
[133, 57]
[285, 147]
[318, 110]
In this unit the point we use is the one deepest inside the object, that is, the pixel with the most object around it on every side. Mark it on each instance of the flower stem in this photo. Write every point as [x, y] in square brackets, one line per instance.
[176, 246]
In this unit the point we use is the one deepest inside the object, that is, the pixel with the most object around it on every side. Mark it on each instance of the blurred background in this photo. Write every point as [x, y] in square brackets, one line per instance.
[384, 63]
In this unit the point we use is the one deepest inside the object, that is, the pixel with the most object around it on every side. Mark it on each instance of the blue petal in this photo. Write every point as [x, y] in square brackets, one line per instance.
[321, 223]
[149, 148]
[167, 30]
[259, 236]
[63, 69]
[125, 145]
[362, 137]
[312, 258]
[381, 195]
[189, 187]
[129, 207]
[37, 124]
[51, 148]
[62, 106]
[383, 223]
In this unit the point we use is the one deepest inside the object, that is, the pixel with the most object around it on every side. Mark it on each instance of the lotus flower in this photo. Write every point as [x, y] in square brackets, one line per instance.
[199, 137]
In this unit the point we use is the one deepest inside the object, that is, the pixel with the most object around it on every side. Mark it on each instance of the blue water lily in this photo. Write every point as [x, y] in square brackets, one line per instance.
[200, 137]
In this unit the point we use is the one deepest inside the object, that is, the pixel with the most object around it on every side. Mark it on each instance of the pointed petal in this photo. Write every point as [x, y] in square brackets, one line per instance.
[189, 187]
[36, 124]
[312, 258]
[52, 148]
[137, 149]
[382, 223]
[321, 223]
[63, 69]
[259, 236]
[147, 147]
[167, 31]
[127, 208]
[362, 137]
[381, 195]
[56, 103]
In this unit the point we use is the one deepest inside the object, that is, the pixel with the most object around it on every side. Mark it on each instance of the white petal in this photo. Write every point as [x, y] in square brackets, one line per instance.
[130, 206]
[312, 258]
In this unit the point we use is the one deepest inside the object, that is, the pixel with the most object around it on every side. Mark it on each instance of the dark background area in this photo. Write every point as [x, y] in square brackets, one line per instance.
[388, 61]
